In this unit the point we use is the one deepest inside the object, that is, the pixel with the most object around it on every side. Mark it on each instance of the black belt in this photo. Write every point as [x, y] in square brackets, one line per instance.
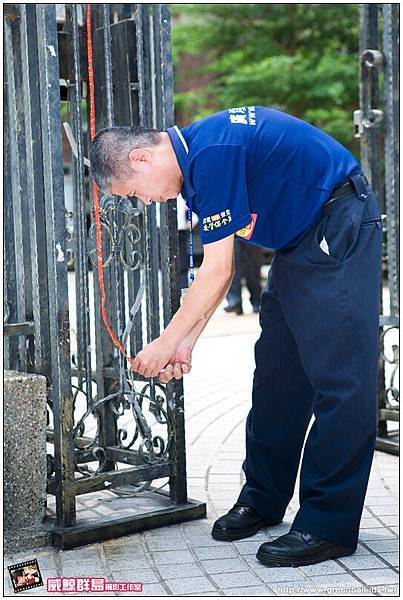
[344, 190]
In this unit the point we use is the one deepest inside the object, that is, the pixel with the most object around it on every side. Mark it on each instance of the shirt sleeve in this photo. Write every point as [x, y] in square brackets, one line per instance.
[219, 179]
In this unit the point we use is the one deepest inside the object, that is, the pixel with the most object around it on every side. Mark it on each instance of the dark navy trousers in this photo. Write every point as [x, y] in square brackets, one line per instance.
[318, 355]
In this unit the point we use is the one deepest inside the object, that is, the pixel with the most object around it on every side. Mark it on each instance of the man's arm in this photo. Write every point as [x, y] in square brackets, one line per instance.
[180, 363]
[207, 291]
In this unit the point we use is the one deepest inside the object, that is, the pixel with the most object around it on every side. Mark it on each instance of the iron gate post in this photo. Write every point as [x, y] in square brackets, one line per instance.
[134, 86]
[49, 95]
[376, 56]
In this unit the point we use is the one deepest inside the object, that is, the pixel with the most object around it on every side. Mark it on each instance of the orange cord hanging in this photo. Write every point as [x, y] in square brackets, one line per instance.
[96, 194]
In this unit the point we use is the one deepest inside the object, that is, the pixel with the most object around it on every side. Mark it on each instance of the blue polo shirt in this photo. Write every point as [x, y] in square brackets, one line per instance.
[258, 173]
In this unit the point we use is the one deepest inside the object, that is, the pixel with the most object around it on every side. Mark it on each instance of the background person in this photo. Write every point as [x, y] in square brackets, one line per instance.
[248, 262]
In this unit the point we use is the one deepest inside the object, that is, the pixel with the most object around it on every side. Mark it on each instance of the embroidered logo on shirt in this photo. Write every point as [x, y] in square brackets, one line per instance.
[247, 231]
[242, 115]
[218, 220]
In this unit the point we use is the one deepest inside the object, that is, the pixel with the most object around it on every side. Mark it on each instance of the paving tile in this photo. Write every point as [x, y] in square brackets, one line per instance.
[386, 509]
[203, 541]
[228, 565]
[253, 590]
[204, 594]
[277, 574]
[392, 558]
[337, 580]
[224, 485]
[391, 520]
[16, 557]
[327, 567]
[243, 579]
[163, 534]
[362, 562]
[191, 585]
[249, 547]
[128, 549]
[127, 562]
[361, 550]
[376, 533]
[370, 522]
[169, 558]
[278, 530]
[196, 529]
[222, 507]
[378, 576]
[178, 571]
[382, 546]
[145, 575]
[40, 592]
[149, 589]
[211, 553]
[166, 544]
[377, 501]
[47, 563]
[83, 569]
[88, 553]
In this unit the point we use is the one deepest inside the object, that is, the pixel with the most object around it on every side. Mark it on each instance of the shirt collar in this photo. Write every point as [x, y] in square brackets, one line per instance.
[181, 150]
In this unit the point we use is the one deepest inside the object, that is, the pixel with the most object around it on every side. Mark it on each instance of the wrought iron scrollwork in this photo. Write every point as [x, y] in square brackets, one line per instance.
[120, 239]
[391, 358]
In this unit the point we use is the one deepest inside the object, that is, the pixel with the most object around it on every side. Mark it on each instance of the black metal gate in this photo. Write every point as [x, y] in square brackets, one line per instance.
[109, 431]
[377, 124]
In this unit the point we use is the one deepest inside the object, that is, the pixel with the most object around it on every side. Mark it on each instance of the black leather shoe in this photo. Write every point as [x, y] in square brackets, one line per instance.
[236, 308]
[298, 548]
[239, 522]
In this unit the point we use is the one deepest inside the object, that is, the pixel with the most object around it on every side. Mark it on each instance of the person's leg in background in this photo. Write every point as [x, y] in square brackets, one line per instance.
[234, 294]
[252, 261]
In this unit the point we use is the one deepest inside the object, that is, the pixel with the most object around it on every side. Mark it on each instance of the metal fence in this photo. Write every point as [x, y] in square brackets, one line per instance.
[108, 428]
[377, 124]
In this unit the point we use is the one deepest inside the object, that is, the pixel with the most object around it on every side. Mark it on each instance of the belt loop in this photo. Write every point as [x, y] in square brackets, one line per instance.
[361, 188]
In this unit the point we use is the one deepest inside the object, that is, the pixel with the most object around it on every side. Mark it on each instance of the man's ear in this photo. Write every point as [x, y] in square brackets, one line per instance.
[139, 156]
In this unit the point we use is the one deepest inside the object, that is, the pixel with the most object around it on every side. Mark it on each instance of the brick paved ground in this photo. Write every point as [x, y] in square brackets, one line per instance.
[184, 559]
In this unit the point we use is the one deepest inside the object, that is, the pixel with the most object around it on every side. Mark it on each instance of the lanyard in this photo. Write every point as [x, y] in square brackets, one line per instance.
[190, 217]
[191, 252]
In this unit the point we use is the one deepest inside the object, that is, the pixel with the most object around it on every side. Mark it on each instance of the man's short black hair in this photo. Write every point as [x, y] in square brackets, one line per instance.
[110, 150]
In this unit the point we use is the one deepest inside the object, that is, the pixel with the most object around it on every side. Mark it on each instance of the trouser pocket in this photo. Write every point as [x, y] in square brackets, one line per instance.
[338, 230]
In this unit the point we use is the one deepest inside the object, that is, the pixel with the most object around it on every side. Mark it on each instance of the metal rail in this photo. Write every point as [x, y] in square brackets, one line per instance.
[378, 129]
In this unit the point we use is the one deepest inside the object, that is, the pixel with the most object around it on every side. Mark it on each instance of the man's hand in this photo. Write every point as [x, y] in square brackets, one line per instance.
[153, 358]
[180, 364]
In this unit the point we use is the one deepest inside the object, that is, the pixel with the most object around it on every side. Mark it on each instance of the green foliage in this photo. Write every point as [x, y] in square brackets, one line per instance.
[300, 58]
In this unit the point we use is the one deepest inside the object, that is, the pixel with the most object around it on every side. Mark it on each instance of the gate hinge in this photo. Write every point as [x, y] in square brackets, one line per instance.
[373, 118]
[372, 58]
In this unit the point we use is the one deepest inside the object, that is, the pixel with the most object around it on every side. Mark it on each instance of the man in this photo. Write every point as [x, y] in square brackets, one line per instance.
[281, 183]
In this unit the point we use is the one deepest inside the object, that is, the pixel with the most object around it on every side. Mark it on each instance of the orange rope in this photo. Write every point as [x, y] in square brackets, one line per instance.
[96, 195]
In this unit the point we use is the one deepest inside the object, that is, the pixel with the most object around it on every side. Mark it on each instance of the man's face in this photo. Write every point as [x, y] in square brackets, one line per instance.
[156, 175]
